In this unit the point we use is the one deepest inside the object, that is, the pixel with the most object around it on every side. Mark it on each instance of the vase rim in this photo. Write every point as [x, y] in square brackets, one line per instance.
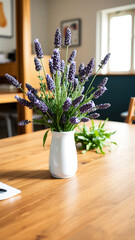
[62, 133]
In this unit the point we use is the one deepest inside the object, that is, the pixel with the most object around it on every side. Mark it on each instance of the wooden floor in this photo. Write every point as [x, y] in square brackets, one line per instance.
[98, 203]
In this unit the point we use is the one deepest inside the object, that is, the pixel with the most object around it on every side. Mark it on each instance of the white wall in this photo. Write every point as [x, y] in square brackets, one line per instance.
[38, 27]
[39, 22]
[86, 10]
[9, 44]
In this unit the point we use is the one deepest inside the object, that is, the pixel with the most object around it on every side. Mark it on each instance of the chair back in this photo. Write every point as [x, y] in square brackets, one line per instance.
[131, 111]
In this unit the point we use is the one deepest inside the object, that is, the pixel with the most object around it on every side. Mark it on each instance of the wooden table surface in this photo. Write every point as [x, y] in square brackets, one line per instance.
[97, 203]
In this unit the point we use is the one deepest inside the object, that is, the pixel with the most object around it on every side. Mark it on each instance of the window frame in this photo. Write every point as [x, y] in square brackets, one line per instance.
[102, 36]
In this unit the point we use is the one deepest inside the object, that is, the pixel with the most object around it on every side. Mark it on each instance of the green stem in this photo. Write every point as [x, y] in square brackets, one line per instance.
[43, 68]
[92, 81]
[42, 84]
[23, 90]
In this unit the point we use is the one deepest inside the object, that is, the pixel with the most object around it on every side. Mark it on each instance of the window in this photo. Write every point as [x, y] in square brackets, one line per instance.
[117, 36]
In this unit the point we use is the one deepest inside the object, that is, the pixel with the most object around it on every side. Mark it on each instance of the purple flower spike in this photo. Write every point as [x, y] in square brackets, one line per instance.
[62, 65]
[74, 120]
[56, 59]
[38, 66]
[41, 105]
[81, 68]
[103, 83]
[50, 83]
[90, 67]
[63, 118]
[82, 89]
[57, 38]
[75, 83]
[67, 104]
[72, 56]
[105, 60]
[49, 121]
[38, 49]
[52, 71]
[24, 123]
[77, 101]
[24, 102]
[13, 81]
[68, 37]
[94, 115]
[104, 105]
[31, 97]
[87, 106]
[85, 119]
[72, 71]
[99, 92]
[31, 89]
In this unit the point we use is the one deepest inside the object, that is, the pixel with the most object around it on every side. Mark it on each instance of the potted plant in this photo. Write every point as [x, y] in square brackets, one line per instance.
[62, 102]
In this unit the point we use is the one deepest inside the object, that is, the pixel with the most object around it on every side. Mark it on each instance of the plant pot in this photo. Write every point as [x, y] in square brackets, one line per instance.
[63, 155]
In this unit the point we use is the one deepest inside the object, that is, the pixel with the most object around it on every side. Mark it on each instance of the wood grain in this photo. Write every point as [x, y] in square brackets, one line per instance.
[131, 111]
[10, 68]
[97, 203]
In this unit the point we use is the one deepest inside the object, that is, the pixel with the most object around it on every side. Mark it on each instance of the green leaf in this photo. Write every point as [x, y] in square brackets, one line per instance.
[88, 146]
[114, 143]
[84, 151]
[45, 137]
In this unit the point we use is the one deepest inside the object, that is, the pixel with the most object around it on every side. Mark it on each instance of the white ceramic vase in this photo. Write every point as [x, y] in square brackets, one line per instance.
[63, 155]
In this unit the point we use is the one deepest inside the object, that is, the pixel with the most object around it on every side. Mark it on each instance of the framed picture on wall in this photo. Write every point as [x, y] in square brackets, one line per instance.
[6, 18]
[75, 27]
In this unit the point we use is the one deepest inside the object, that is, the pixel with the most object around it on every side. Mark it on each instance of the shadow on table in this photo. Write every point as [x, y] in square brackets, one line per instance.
[25, 174]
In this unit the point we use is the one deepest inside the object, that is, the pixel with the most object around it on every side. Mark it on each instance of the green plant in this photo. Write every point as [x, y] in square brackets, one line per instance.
[63, 101]
[96, 137]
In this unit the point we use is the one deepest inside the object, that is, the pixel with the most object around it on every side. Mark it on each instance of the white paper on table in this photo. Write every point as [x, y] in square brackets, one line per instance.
[10, 191]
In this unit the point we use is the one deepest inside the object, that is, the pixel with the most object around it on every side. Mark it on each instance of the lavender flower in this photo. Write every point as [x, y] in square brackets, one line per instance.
[57, 38]
[81, 68]
[82, 90]
[13, 81]
[75, 83]
[31, 89]
[62, 65]
[103, 83]
[93, 109]
[68, 37]
[41, 105]
[72, 56]
[103, 106]
[105, 60]
[24, 102]
[38, 66]
[90, 67]
[67, 104]
[72, 71]
[63, 118]
[38, 49]
[56, 60]
[94, 115]
[31, 97]
[24, 123]
[74, 120]
[50, 83]
[51, 66]
[49, 121]
[99, 92]
[87, 106]
[85, 119]
[77, 101]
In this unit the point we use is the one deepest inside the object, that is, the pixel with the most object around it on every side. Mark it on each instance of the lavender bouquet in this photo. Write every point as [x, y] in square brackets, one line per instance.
[62, 102]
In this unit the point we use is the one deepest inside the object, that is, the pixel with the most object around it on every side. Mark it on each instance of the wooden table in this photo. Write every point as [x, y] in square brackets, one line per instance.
[97, 203]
